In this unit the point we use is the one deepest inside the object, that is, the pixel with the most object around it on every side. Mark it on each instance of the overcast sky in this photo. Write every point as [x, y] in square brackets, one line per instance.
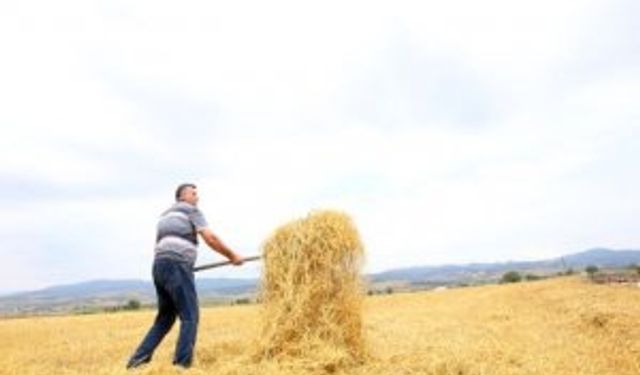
[458, 131]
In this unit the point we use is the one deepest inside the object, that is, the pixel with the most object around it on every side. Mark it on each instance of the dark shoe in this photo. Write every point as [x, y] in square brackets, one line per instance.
[137, 362]
[181, 366]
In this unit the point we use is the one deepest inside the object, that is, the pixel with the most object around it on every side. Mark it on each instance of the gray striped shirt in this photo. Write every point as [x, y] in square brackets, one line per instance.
[177, 235]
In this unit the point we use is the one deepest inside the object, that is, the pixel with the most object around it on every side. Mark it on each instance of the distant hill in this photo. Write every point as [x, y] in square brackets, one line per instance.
[600, 257]
[109, 293]
[105, 293]
[603, 257]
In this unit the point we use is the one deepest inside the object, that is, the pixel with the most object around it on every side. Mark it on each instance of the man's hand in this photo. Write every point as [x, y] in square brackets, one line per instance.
[236, 260]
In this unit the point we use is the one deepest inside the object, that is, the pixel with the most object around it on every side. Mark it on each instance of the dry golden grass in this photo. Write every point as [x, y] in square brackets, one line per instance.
[311, 291]
[555, 327]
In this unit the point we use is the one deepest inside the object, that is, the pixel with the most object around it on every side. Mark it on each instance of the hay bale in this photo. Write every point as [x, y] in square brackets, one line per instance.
[311, 290]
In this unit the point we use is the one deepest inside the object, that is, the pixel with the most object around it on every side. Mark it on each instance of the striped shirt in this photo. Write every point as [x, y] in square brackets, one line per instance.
[177, 234]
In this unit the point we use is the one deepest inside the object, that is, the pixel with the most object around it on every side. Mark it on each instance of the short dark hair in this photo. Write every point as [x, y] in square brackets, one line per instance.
[181, 187]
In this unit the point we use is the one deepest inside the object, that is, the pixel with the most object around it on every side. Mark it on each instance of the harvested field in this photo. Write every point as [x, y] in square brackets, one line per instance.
[564, 326]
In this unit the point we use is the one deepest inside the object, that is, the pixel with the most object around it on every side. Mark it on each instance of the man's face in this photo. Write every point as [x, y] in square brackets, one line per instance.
[190, 195]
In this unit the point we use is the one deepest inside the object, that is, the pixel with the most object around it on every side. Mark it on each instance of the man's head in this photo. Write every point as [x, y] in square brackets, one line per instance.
[187, 193]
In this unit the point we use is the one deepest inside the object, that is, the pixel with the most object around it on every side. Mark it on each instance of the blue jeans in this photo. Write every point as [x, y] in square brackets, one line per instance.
[176, 291]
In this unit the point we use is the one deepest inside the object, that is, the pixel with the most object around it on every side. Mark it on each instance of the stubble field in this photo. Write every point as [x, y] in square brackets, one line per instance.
[564, 326]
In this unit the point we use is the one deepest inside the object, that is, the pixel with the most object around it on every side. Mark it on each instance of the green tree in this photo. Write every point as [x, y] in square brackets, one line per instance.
[591, 270]
[132, 304]
[532, 277]
[569, 272]
[511, 277]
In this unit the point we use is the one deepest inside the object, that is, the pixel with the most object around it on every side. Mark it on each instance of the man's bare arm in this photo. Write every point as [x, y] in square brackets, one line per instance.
[216, 244]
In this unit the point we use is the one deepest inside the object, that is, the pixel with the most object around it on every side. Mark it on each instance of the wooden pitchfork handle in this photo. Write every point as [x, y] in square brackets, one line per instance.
[220, 264]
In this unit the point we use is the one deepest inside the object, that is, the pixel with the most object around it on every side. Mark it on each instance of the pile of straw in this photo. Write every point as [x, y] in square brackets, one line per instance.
[311, 291]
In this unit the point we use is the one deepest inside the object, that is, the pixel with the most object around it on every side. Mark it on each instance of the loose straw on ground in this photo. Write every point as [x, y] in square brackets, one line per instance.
[311, 291]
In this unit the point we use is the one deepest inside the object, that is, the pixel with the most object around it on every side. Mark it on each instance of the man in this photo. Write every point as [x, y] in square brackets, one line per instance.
[175, 255]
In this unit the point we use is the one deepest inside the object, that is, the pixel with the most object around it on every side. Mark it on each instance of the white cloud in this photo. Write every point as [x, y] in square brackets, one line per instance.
[451, 132]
